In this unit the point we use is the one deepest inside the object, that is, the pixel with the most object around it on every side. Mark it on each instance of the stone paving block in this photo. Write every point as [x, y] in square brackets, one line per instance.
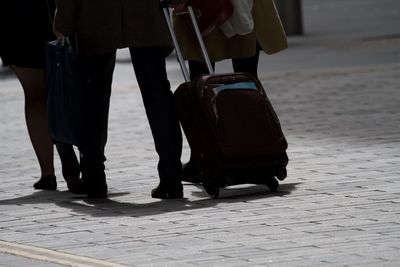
[16, 261]
[201, 260]
[58, 243]
[381, 264]
[350, 260]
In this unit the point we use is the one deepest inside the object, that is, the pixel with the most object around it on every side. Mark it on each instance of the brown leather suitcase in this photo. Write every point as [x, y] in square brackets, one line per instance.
[231, 127]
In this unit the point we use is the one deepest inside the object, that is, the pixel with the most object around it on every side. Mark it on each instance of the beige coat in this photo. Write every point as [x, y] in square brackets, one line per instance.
[105, 25]
[268, 31]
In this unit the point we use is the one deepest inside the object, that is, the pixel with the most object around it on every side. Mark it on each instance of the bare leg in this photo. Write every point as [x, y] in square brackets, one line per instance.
[33, 82]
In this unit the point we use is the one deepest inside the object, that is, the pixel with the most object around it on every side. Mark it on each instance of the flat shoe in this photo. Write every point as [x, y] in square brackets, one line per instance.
[46, 183]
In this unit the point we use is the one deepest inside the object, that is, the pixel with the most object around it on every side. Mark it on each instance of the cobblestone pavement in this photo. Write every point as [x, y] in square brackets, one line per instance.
[339, 205]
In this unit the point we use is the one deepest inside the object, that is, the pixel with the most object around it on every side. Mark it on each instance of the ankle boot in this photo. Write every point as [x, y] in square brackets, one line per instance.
[168, 190]
[95, 183]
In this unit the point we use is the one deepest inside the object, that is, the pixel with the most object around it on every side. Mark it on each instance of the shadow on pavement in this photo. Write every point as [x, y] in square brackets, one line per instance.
[113, 208]
[37, 197]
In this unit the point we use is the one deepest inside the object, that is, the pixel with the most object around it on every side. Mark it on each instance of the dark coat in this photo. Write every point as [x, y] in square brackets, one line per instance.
[105, 25]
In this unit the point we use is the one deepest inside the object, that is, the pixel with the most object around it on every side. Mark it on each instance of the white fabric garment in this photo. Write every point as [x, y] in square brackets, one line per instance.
[241, 22]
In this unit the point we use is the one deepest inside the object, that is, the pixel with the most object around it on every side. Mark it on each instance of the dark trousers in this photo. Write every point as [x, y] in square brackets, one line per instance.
[97, 73]
[150, 70]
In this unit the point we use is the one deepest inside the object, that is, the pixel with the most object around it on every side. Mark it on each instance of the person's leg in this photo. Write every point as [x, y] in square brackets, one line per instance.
[69, 161]
[248, 64]
[70, 168]
[197, 68]
[33, 82]
[150, 70]
[97, 74]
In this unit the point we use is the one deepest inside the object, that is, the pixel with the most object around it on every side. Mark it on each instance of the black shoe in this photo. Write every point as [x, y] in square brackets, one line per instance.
[190, 173]
[96, 189]
[97, 194]
[168, 190]
[46, 183]
[75, 185]
[96, 186]
[94, 176]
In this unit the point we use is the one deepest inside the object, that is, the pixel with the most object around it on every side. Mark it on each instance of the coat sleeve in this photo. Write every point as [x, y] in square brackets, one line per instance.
[65, 19]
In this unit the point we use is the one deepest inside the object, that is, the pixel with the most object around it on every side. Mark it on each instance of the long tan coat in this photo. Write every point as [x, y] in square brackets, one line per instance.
[268, 31]
[105, 25]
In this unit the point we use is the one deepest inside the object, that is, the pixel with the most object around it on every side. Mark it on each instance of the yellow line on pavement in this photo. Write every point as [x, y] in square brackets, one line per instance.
[47, 255]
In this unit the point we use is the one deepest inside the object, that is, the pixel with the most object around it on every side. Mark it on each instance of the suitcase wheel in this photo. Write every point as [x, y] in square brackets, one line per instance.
[281, 174]
[272, 184]
[212, 190]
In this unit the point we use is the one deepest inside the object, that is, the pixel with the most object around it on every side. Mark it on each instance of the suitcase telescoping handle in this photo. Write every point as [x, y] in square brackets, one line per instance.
[167, 15]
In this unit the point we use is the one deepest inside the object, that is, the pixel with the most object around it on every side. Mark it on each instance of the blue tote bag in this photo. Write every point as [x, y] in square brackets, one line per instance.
[64, 93]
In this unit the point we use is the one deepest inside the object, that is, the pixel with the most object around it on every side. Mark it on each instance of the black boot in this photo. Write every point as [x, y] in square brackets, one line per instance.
[96, 188]
[168, 190]
[94, 178]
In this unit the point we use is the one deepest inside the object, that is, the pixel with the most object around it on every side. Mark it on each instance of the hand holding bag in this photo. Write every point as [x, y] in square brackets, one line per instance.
[64, 94]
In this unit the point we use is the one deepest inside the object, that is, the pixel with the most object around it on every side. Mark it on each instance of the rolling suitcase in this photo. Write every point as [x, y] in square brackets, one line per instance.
[231, 127]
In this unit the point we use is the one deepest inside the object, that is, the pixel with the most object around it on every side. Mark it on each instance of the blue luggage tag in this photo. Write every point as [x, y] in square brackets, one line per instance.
[243, 85]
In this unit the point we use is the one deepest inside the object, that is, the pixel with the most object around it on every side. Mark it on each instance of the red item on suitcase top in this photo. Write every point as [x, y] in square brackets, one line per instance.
[209, 13]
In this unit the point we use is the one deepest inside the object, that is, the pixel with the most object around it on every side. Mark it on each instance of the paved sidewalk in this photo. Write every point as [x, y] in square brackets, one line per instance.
[339, 206]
